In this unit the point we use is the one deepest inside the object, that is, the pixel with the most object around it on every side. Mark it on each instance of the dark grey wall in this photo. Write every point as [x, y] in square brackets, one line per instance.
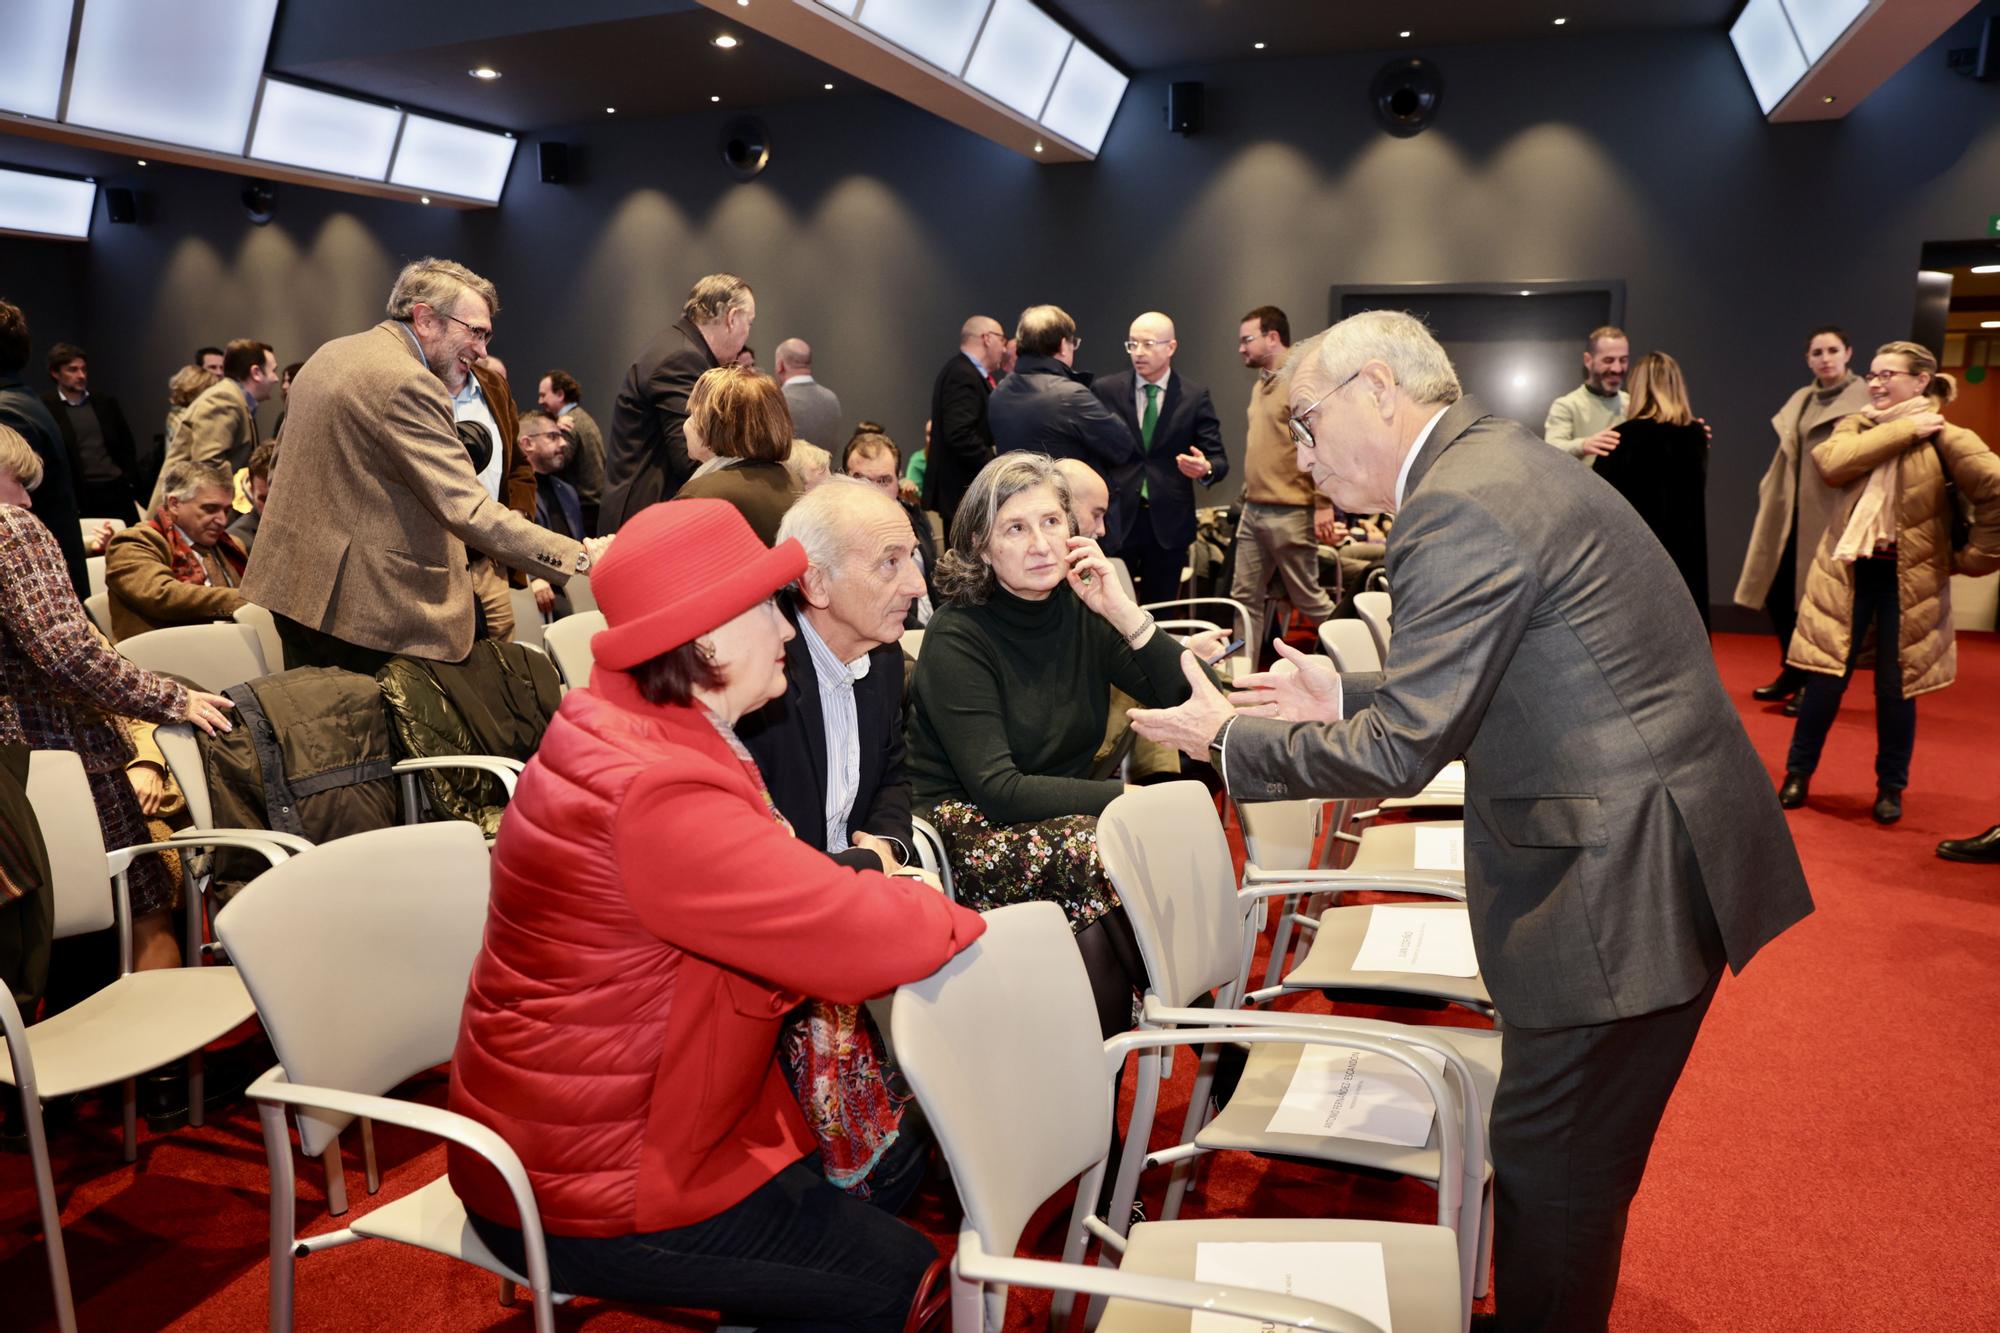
[877, 229]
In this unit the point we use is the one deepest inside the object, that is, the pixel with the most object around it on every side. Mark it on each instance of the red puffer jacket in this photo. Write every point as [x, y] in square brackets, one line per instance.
[650, 926]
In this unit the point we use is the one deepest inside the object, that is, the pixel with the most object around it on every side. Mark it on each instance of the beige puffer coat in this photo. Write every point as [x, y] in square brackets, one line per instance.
[1924, 558]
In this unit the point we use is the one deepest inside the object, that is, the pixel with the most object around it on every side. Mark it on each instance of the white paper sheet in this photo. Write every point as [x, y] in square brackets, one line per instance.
[1418, 939]
[1440, 848]
[1345, 1094]
[1348, 1273]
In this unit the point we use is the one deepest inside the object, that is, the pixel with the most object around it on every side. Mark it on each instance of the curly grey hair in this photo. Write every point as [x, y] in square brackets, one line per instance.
[437, 283]
[963, 579]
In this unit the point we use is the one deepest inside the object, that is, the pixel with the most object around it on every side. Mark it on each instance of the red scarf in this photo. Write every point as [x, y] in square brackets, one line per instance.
[188, 567]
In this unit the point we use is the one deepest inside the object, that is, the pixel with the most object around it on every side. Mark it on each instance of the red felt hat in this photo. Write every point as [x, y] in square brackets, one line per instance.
[678, 570]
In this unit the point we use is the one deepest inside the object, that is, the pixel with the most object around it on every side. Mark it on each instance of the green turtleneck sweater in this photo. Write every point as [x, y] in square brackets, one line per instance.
[1009, 701]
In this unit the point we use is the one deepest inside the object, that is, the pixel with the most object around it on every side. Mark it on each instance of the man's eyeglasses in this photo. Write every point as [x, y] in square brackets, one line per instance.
[1134, 344]
[1882, 376]
[1301, 436]
[482, 333]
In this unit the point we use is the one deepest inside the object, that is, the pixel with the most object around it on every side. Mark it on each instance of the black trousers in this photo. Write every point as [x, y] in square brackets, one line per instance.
[306, 646]
[1782, 602]
[1573, 1123]
[1875, 603]
[797, 1255]
[1156, 569]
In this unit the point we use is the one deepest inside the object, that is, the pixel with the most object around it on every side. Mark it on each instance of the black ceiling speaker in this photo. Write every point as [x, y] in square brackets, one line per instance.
[554, 161]
[260, 200]
[1184, 108]
[121, 205]
[1405, 95]
[746, 146]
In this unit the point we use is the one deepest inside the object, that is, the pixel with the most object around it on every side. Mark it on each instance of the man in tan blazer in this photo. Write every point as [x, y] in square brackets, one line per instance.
[181, 567]
[361, 555]
[221, 425]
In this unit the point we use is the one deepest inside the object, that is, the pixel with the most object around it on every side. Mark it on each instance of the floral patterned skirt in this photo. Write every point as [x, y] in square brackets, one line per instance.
[1052, 861]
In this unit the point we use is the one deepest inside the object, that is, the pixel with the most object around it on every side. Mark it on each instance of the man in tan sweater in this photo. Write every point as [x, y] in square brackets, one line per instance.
[1283, 516]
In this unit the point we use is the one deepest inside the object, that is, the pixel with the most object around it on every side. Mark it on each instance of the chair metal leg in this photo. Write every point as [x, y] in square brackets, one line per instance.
[131, 1119]
[336, 1179]
[1281, 943]
[507, 1292]
[197, 1084]
[284, 1213]
[1197, 1116]
[368, 1156]
[45, 1199]
[1482, 1273]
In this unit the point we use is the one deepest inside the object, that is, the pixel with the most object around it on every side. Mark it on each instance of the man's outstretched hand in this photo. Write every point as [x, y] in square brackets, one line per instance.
[1300, 688]
[1188, 727]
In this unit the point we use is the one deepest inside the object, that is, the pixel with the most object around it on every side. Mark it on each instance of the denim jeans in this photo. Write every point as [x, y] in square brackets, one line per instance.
[797, 1255]
[1895, 716]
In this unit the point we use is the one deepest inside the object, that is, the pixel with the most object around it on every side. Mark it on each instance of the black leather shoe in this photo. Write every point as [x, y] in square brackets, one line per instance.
[1792, 704]
[163, 1098]
[1981, 849]
[1888, 806]
[1784, 687]
[1792, 794]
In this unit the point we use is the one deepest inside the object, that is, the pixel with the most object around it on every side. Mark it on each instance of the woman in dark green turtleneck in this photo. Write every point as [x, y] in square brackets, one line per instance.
[1009, 703]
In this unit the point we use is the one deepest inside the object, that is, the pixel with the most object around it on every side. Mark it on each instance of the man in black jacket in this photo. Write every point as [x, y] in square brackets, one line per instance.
[645, 456]
[961, 442]
[1046, 407]
[55, 499]
[103, 462]
[831, 746]
[1176, 441]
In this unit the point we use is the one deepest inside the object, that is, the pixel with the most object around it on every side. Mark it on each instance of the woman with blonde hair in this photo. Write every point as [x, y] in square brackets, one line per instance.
[1885, 562]
[740, 430]
[188, 384]
[1661, 467]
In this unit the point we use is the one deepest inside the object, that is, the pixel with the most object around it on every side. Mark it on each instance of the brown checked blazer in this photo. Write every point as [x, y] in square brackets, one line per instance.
[365, 536]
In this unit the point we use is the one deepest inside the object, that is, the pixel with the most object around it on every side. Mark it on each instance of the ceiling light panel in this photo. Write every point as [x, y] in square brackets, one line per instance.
[1086, 98]
[1771, 57]
[31, 59]
[451, 159]
[151, 71]
[1020, 49]
[846, 7]
[940, 32]
[303, 127]
[46, 205]
[1819, 23]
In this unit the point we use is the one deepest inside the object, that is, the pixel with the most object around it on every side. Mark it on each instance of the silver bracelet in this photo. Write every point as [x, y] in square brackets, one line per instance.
[1132, 639]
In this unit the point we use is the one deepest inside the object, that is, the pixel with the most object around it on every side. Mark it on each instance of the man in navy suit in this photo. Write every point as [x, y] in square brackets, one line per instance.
[831, 746]
[1175, 441]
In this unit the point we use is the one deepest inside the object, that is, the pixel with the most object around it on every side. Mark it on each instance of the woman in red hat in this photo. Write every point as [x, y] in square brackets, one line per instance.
[653, 923]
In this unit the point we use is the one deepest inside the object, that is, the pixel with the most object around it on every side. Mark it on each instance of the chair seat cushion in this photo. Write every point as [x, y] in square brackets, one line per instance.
[1329, 963]
[433, 1219]
[139, 1022]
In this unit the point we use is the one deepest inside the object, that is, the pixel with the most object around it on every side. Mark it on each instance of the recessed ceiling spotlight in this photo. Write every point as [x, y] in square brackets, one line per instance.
[1526, 292]
[1986, 268]
[1560, 22]
[715, 97]
[1404, 33]
[611, 111]
[142, 161]
[827, 86]
[1038, 147]
[1989, 323]
[1828, 99]
[726, 42]
[486, 72]
[423, 199]
[1256, 46]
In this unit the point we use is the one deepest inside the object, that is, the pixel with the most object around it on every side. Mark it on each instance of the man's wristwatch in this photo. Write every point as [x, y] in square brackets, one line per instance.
[1215, 746]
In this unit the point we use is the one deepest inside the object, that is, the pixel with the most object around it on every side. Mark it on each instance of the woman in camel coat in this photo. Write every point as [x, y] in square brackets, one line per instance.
[1885, 564]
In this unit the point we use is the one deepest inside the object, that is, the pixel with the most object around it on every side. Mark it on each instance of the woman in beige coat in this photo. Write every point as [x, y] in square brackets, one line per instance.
[1885, 563]
[1793, 504]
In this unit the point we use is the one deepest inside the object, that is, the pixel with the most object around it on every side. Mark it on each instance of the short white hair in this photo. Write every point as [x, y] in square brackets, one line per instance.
[1396, 339]
[188, 478]
[827, 518]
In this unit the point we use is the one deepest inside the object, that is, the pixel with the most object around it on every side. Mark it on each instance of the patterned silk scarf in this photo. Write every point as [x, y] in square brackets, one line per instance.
[187, 562]
[850, 1091]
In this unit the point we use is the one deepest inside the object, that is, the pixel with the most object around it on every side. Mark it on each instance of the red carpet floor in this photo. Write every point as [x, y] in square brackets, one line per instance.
[1828, 1161]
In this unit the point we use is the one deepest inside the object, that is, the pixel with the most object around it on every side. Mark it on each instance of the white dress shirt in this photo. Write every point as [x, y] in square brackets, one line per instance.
[842, 721]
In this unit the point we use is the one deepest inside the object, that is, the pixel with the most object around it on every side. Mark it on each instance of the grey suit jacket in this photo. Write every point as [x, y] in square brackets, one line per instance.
[1622, 836]
[815, 415]
[218, 428]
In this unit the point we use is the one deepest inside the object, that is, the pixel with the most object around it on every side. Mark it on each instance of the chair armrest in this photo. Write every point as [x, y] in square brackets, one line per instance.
[1276, 883]
[467, 1133]
[1267, 1307]
[507, 770]
[291, 842]
[249, 840]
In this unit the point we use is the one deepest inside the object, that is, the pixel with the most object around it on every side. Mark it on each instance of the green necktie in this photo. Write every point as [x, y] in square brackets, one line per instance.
[1147, 424]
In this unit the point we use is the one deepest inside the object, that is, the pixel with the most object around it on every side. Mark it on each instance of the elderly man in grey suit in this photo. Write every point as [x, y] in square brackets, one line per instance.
[815, 408]
[1621, 837]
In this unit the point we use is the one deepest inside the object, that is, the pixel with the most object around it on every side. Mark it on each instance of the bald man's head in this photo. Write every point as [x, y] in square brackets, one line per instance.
[983, 339]
[1150, 342]
[794, 357]
[1089, 497]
